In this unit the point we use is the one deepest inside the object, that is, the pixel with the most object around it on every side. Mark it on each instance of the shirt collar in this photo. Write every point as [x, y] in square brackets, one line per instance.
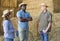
[45, 12]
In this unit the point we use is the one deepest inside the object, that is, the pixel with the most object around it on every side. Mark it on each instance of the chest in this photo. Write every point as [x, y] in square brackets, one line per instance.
[10, 25]
[44, 17]
[24, 15]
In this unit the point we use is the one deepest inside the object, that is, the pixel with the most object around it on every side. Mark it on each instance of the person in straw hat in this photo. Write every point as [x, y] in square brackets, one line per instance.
[8, 26]
[23, 19]
[44, 22]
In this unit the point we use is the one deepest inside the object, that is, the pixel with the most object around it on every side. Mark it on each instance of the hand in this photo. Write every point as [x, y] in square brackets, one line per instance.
[29, 19]
[44, 31]
[23, 19]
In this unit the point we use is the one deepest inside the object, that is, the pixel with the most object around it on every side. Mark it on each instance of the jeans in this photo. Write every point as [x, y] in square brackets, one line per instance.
[23, 34]
[17, 34]
[8, 39]
[44, 36]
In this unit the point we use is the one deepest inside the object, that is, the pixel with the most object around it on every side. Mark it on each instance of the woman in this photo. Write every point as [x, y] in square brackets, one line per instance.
[8, 26]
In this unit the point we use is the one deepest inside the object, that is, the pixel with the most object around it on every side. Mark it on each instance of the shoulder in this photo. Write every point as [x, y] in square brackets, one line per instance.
[19, 11]
[41, 14]
[49, 13]
[28, 13]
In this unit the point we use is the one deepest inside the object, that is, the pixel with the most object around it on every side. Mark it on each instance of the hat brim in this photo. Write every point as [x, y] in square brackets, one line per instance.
[24, 5]
[7, 12]
[44, 5]
[3, 16]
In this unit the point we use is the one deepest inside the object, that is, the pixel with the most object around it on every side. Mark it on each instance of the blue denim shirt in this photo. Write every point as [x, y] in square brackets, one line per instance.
[8, 29]
[22, 25]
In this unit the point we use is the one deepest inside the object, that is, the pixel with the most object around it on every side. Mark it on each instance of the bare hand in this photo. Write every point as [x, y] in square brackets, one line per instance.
[44, 31]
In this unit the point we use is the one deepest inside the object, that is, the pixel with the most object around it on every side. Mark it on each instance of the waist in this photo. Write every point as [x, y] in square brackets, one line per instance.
[9, 35]
[22, 22]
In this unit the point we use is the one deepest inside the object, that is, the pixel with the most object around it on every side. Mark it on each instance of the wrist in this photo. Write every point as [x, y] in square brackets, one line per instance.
[46, 30]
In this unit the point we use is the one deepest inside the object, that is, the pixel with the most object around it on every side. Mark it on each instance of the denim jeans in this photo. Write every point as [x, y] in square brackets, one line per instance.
[8, 39]
[44, 36]
[23, 34]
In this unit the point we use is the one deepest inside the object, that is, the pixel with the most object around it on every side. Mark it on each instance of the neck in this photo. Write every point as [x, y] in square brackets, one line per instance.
[44, 11]
[6, 18]
[24, 10]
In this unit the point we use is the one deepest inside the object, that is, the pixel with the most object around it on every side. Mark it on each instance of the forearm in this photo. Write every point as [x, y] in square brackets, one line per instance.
[23, 20]
[29, 19]
[49, 25]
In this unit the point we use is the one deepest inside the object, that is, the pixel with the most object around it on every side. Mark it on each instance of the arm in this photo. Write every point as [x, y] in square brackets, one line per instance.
[48, 27]
[26, 19]
[5, 27]
[29, 19]
[49, 23]
[22, 19]
[19, 16]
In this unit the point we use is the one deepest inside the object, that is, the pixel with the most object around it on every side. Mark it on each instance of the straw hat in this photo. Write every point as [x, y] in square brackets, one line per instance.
[43, 4]
[5, 12]
[22, 4]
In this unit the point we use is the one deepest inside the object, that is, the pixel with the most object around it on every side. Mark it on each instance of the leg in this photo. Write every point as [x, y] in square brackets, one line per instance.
[7, 39]
[21, 34]
[12, 39]
[42, 36]
[45, 37]
[26, 35]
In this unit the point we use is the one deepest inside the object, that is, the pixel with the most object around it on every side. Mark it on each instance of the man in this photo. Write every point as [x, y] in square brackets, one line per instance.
[44, 22]
[8, 26]
[23, 19]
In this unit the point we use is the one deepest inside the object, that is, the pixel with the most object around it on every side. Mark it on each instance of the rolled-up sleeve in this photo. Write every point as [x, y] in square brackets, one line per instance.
[5, 26]
[18, 14]
[50, 18]
[29, 15]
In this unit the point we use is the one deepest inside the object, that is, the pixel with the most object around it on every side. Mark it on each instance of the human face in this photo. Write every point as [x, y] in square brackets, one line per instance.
[43, 7]
[9, 15]
[23, 7]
